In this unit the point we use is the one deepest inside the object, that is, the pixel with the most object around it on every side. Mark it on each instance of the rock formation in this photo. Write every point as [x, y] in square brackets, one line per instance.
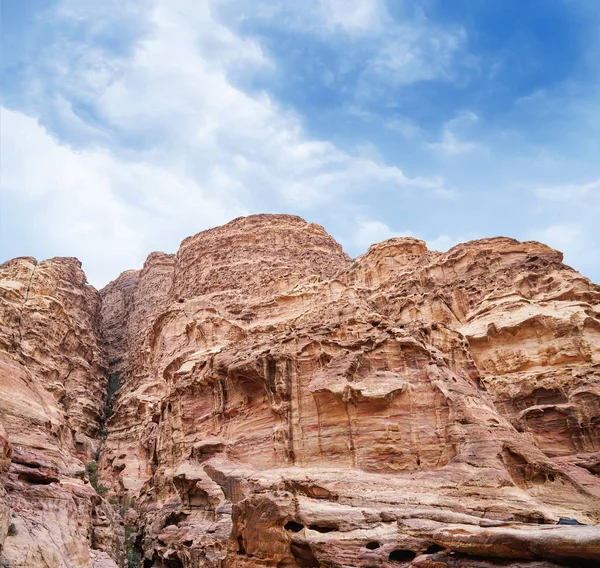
[281, 405]
[52, 391]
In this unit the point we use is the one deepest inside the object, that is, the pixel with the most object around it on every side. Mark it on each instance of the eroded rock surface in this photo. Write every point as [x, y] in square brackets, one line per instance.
[281, 405]
[52, 392]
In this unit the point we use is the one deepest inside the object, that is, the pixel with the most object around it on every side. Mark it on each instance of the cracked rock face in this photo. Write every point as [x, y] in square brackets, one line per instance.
[52, 391]
[281, 405]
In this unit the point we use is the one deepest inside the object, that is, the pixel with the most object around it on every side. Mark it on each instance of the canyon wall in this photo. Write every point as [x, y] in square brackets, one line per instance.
[282, 405]
[52, 390]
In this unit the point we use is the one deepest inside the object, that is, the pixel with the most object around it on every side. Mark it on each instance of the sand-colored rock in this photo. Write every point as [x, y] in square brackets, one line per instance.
[274, 380]
[5, 454]
[281, 405]
[53, 379]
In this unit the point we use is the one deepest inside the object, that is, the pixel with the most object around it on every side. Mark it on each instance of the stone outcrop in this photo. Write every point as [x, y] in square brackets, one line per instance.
[282, 405]
[52, 393]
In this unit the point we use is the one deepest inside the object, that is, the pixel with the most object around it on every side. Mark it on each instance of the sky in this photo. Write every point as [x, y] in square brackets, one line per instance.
[127, 126]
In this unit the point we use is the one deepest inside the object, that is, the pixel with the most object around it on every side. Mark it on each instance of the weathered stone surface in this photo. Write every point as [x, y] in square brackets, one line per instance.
[5, 454]
[52, 391]
[281, 405]
[275, 381]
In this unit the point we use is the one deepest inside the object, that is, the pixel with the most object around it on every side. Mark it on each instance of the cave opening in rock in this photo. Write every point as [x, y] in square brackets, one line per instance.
[321, 529]
[241, 547]
[174, 518]
[373, 545]
[400, 555]
[303, 555]
[434, 548]
[293, 526]
[37, 479]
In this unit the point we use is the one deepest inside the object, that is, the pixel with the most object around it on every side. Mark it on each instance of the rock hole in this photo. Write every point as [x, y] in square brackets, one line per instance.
[372, 545]
[304, 555]
[538, 479]
[434, 548]
[401, 555]
[174, 519]
[321, 529]
[35, 478]
[181, 300]
[375, 323]
[568, 521]
[198, 499]
[530, 519]
[241, 548]
[293, 526]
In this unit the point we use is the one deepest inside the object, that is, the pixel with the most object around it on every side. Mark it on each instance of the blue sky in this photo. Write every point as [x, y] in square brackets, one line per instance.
[127, 126]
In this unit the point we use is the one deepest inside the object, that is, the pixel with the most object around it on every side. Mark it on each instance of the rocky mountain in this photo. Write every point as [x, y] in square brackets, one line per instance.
[259, 399]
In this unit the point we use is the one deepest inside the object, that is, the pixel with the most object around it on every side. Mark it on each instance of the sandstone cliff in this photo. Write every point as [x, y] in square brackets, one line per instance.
[281, 405]
[52, 393]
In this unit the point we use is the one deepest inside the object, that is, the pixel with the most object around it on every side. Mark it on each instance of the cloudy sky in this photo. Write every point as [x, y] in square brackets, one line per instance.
[129, 125]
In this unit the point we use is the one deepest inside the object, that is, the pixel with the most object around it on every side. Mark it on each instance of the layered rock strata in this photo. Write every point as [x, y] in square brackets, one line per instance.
[281, 405]
[52, 393]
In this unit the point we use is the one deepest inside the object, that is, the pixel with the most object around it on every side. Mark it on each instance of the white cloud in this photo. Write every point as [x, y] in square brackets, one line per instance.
[453, 129]
[413, 52]
[176, 88]
[574, 210]
[568, 192]
[371, 232]
[354, 16]
[452, 146]
[567, 238]
[77, 204]
[442, 243]
[379, 51]
[174, 146]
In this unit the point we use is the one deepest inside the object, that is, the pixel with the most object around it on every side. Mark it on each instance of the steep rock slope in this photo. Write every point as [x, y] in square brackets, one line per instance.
[52, 392]
[281, 405]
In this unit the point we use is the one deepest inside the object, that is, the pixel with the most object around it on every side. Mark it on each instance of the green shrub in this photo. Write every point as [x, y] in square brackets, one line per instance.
[12, 530]
[128, 503]
[131, 553]
[114, 382]
[92, 469]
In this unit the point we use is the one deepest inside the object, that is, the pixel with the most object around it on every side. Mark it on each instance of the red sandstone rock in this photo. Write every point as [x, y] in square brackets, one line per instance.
[52, 391]
[283, 406]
